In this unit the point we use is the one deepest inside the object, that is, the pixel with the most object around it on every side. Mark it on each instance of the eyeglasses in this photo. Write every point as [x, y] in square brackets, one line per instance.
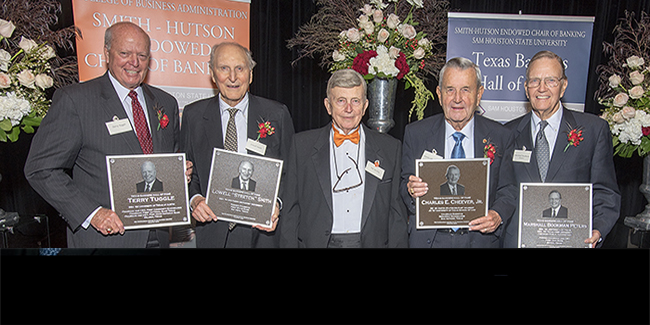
[339, 177]
[550, 82]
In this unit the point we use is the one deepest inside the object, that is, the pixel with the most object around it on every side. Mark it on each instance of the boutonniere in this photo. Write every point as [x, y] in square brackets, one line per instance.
[163, 120]
[489, 151]
[265, 129]
[574, 137]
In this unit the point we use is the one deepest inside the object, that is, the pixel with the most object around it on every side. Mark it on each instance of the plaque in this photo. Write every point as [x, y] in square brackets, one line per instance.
[243, 188]
[148, 191]
[458, 192]
[554, 215]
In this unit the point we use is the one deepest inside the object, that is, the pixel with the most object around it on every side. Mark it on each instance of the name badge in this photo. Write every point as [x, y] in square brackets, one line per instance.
[374, 169]
[430, 155]
[118, 126]
[256, 147]
[522, 156]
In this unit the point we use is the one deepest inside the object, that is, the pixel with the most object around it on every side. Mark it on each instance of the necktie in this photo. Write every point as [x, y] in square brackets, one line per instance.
[141, 124]
[230, 143]
[458, 151]
[339, 138]
[147, 188]
[542, 151]
[554, 214]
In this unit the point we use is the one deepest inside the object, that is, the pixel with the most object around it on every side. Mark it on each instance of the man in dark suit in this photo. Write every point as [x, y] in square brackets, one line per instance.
[227, 121]
[244, 178]
[545, 131]
[556, 210]
[451, 186]
[459, 133]
[341, 187]
[150, 183]
[79, 132]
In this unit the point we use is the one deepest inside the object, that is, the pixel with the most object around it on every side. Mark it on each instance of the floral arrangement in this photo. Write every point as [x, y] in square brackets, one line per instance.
[625, 87]
[489, 151]
[265, 129]
[380, 40]
[573, 138]
[163, 119]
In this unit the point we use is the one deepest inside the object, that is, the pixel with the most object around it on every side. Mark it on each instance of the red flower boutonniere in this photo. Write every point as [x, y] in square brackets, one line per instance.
[574, 137]
[489, 151]
[265, 129]
[163, 120]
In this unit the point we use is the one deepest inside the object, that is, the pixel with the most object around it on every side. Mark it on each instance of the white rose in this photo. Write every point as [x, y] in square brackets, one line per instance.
[636, 77]
[27, 44]
[419, 53]
[614, 81]
[47, 52]
[6, 28]
[628, 112]
[393, 52]
[424, 42]
[5, 59]
[618, 118]
[338, 56]
[26, 78]
[363, 19]
[620, 99]
[368, 27]
[392, 21]
[378, 16]
[353, 35]
[383, 35]
[634, 62]
[407, 30]
[367, 9]
[43, 81]
[416, 3]
[636, 92]
[5, 80]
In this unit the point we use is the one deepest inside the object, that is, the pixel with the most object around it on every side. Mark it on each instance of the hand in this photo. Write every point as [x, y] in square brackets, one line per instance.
[107, 222]
[201, 211]
[486, 224]
[416, 187]
[593, 240]
[189, 168]
[274, 220]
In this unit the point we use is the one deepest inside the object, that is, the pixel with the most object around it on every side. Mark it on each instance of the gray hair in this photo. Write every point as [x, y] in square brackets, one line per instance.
[108, 34]
[346, 78]
[548, 55]
[462, 64]
[247, 52]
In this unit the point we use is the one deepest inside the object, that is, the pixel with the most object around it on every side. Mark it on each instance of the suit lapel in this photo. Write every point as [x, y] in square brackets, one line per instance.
[524, 139]
[212, 124]
[152, 106]
[321, 159]
[373, 153]
[255, 115]
[559, 156]
[481, 132]
[436, 139]
[112, 106]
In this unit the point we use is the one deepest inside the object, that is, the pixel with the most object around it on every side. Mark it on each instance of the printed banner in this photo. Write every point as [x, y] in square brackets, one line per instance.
[182, 34]
[503, 44]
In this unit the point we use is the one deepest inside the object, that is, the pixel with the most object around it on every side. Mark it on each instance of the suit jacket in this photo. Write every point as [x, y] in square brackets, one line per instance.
[307, 216]
[563, 212]
[202, 131]
[251, 184]
[428, 134]
[445, 190]
[73, 136]
[590, 162]
[156, 187]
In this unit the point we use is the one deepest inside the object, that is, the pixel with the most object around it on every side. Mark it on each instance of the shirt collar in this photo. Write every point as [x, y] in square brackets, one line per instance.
[123, 92]
[242, 105]
[468, 130]
[553, 121]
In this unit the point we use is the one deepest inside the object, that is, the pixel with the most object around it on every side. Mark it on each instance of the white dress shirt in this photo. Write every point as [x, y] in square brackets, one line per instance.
[241, 121]
[347, 205]
[468, 140]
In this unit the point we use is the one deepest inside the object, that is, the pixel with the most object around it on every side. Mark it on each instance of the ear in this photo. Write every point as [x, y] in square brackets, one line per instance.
[479, 94]
[328, 107]
[106, 54]
[250, 77]
[439, 97]
[565, 81]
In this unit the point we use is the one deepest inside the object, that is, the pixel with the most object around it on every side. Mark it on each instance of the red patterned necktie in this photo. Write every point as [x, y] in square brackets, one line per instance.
[141, 124]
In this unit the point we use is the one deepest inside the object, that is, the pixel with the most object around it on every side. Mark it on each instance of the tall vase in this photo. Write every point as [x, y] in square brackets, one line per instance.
[381, 97]
[642, 220]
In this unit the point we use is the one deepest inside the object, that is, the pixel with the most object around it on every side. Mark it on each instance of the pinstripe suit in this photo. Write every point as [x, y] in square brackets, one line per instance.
[73, 136]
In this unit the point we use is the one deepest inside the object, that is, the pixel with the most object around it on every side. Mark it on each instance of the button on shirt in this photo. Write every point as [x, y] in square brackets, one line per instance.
[468, 141]
[241, 121]
[551, 131]
[347, 205]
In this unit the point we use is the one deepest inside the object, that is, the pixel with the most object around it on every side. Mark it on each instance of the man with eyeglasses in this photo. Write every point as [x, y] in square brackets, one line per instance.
[342, 181]
[459, 132]
[554, 156]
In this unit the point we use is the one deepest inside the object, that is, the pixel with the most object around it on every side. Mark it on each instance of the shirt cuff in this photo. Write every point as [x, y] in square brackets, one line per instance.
[86, 223]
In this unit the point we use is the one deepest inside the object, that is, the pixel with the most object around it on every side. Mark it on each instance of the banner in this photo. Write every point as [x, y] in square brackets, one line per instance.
[503, 44]
[182, 34]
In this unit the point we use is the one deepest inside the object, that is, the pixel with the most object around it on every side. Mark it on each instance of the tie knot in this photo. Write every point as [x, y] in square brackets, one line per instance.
[232, 111]
[133, 95]
[458, 136]
[339, 138]
[542, 125]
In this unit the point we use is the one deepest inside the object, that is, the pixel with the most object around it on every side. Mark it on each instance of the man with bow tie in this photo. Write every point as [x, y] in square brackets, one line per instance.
[342, 181]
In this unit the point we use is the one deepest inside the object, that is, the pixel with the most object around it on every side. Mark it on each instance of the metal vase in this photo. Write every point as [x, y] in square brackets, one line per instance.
[642, 220]
[381, 97]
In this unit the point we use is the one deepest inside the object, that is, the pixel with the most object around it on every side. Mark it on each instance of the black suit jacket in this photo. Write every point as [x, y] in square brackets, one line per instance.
[445, 190]
[307, 215]
[428, 134]
[156, 187]
[73, 136]
[202, 131]
[562, 213]
[251, 184]
[590, 162]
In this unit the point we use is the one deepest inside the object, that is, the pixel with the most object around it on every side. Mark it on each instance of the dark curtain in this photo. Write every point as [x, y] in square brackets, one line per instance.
[302, 86]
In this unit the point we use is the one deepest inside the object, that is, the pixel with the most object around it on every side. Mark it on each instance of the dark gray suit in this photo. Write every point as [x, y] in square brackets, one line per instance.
[202, 132]
[590, 162]
[307, 219]
[73, 136]
[428, 134]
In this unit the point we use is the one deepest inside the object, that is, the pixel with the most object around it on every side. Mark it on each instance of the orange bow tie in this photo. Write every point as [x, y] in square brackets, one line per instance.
[339, 138]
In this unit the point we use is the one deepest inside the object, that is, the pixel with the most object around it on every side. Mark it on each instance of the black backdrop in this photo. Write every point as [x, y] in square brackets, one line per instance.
[302, 88]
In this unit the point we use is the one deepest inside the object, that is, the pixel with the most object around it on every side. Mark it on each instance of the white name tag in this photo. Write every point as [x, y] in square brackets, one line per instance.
[522, 156]
[374, 169]
[430, 155]
[118, 126]
[256, 147]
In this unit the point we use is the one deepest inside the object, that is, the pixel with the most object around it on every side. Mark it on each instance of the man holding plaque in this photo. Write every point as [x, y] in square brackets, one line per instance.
[115, 114]
[544, 150]
[234, 120]
[341, 188]
[460, 132]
